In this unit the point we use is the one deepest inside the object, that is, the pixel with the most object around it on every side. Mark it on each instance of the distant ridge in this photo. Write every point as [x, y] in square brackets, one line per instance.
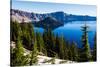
[60, 16]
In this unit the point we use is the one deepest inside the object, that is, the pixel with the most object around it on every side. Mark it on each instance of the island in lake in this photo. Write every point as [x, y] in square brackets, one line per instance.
[52, 33]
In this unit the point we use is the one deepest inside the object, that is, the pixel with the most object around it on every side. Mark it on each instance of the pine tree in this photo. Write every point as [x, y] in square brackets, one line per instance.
[74, 51]
[17, 56]
[66, 50]
[49, 42]
[14, 30]
[70, 57]
[61, 47]
[40, 42]
[53, 41]
[94, 55]
[28, 35]
[31, 32]
[85, 52]
[34, 53]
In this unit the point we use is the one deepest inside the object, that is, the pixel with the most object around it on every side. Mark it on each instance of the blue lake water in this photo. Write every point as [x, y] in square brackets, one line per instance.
[72, 31]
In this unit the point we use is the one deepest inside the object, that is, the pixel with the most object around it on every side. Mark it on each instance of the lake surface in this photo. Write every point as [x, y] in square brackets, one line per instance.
[72, 31]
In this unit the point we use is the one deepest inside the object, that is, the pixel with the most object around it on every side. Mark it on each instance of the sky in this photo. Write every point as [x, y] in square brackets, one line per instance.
[43, 7]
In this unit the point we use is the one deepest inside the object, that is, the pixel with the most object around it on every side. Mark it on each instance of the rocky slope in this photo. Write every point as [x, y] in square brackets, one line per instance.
[21, 16]
[42, 59]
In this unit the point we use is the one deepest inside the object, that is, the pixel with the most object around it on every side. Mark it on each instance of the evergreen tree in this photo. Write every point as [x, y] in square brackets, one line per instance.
[14, 30]
[70, 57]
[85, 52]
[28, 35]
[34, 53]
[49, 42]
[53, 42]
[32, 34]
[17, 56]
[61, 47]
[94, 55]
[40, 42]
[66, 50]
[74, 51]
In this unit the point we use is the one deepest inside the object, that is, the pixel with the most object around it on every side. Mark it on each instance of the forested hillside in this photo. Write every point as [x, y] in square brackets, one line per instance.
[48, 45]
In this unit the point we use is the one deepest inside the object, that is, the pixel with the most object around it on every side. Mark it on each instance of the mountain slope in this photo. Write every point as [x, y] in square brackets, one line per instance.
[43, 59]
[60, 16]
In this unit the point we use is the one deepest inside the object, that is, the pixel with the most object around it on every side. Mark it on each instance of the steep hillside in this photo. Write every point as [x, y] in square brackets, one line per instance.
[35, 17]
